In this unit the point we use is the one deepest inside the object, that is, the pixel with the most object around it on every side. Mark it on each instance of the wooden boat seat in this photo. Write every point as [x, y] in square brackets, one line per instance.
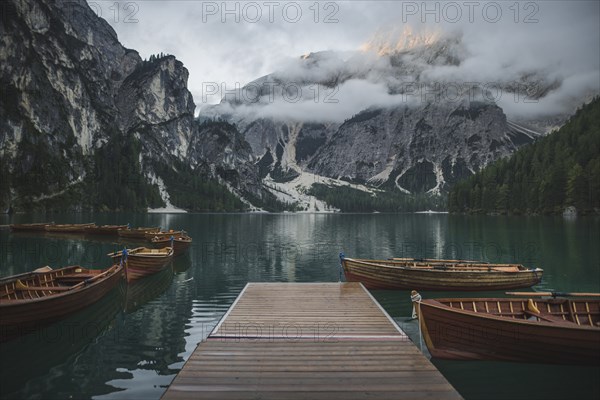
[73, 277]
[44, 288]
[504, 269]
[549, 318]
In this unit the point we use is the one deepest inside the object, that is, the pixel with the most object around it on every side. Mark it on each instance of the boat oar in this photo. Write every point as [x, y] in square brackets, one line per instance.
[21, 286]
[553, 294]
[434, 260]
[96, 277]
[91, 280]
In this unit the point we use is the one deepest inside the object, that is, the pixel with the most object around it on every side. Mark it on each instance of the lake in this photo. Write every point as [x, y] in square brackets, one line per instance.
[131, 344]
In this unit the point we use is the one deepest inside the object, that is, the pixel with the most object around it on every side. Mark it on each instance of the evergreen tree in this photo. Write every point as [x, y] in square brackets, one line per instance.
[556, 171]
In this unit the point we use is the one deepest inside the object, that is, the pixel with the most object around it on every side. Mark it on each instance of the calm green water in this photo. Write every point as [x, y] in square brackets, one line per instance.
[131, 344]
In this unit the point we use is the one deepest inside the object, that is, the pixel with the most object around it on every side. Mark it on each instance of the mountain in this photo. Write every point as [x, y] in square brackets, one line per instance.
[85, 123]
[379, 118]
[556, 173]
[416, 150]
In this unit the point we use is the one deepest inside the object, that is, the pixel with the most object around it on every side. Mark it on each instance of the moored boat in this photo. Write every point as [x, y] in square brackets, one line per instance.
[437, 260]
[137, 233]
[35, 299]
[36, 227]
[556, 330]
[141, 261]
[69, 228]
[180, 243]
[104, 229]
[427, 275]
[163, 235]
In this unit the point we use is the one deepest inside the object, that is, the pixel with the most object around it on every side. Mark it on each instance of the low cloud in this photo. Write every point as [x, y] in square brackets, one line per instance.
[552, 43]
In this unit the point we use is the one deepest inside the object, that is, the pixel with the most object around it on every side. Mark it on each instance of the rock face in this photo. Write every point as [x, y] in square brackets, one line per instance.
[403, 132]
[228, 155]
[153, 102]
[85, 123]
[416, 150]
[81, 116]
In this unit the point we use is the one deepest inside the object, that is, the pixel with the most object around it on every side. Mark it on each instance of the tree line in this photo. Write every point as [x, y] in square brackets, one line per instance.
[348, 199]
[557, 171]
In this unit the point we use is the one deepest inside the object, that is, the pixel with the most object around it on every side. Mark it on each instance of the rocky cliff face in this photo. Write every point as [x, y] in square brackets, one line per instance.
[416, 150]
[382, 118]
[153, 103]
[85, 122]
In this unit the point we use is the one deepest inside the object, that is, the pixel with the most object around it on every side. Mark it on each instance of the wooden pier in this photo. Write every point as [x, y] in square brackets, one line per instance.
[308, 341]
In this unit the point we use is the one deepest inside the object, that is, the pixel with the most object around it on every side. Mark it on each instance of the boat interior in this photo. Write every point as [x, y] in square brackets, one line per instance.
[582, 312]
[44, 282]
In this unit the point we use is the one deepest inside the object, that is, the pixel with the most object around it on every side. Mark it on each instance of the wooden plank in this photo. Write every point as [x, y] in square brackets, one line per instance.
[346, 395]
[299, 310]
[339, 343]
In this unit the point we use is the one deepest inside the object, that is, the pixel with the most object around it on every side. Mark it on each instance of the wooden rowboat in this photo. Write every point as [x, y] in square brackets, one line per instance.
[36, 299]
[104, 229]
[162, 235]
[438, 261]
[389, 274]
[180, 243]
[137, 233]
[557, 331]
[142, 261]
[69, 228]
[37, 227]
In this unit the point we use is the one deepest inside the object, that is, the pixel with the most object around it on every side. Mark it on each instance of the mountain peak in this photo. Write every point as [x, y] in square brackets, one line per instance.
[396, 41]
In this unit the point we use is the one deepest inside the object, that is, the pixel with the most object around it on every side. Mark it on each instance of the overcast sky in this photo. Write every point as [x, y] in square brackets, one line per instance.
[559, 38]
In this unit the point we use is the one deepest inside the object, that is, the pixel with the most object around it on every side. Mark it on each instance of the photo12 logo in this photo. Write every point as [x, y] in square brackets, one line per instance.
[469, 11]
[270, 11]
[115, 12]
[269, 92]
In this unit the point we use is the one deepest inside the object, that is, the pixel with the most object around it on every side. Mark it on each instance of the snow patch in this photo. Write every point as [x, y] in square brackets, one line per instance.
[385, 174]
[288, 159]
[166, 210]
[164, 195]
[251, 207]
[295, 191]
[527, 132]
[439, 180]
[398, 185]
[51, 195]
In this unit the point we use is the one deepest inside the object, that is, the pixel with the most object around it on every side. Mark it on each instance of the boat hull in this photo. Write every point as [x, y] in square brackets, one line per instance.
[19, 317]
[105, 230]
[69, 228]
[463, 335]
[375, 276]
[37, 227]
[138, 266]
[162, 235]
[137, 233]
[179, 245]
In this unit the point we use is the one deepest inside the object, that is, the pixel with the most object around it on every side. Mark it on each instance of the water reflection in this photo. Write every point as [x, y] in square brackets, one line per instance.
[147, 342]
[141, 291]
[37, 356]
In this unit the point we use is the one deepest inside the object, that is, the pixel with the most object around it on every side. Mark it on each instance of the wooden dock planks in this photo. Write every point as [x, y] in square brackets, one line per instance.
[307, 340]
